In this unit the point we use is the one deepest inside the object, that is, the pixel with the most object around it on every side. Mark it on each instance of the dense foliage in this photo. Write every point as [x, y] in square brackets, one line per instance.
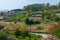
[41, 7]
[34, 7]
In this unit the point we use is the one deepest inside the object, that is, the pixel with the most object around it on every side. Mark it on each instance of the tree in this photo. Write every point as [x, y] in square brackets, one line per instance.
[47, 5]
[59, 5]
[34, 7]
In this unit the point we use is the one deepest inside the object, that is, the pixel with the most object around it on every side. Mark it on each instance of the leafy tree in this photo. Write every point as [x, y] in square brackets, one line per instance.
[59, 5]
[34, 7]
[47, 6]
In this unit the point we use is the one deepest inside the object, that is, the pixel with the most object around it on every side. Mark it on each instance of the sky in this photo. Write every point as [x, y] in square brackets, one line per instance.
[17, 4]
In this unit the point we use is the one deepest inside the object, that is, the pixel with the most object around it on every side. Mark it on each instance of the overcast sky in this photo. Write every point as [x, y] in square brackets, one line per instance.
[14, 4]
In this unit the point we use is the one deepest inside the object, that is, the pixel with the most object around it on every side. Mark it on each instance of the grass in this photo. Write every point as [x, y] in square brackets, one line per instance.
[22, 25]
[32, 37]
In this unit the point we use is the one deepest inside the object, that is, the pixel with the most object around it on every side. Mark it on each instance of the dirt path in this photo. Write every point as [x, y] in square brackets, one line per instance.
[47, 36]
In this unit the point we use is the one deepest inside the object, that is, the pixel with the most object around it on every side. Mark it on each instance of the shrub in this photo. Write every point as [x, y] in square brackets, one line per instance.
[17, 33]
[21, 33]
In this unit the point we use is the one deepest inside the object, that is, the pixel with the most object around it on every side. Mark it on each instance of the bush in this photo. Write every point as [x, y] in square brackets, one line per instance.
[5, 36]
[17, 33]
[21, 33]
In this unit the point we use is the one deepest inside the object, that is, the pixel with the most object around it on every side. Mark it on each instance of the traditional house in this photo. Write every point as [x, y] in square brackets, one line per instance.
[36, 17]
